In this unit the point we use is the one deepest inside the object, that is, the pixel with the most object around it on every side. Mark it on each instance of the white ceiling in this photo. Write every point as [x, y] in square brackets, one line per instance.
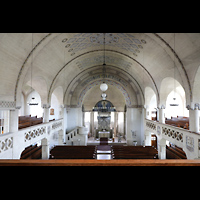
[65, 59]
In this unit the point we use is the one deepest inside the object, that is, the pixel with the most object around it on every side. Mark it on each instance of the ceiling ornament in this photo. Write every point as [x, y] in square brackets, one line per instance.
[126, 41]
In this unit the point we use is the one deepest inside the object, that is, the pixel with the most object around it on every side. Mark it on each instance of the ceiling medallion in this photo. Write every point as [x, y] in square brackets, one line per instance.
[143, 41]
[99, 38]
[64, 40]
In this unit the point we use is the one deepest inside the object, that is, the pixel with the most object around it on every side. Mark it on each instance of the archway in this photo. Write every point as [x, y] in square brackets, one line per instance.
[56, 103]
[170, 89]
[196, 86]
[150, 102]
[34, 109]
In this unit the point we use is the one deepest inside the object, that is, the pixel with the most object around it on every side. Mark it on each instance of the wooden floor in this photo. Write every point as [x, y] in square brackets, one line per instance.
[94, 162]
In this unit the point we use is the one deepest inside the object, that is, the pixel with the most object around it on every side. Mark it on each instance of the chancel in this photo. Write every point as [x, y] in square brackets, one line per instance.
[119, 97]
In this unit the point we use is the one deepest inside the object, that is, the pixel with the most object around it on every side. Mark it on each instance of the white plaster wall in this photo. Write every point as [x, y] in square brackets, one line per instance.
[134, 120]
[74, 118]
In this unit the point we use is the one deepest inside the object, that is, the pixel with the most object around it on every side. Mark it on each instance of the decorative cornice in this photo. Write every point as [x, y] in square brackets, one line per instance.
[7, 104]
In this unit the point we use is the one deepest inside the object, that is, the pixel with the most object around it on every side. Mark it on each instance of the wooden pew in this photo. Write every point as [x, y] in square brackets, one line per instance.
[174, 152]
[27, 121]
[72, 152]
[134, 152]
[32, 152]
[179, 121]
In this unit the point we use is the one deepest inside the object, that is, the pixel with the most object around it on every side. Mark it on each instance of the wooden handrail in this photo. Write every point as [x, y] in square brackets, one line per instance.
[94, 162]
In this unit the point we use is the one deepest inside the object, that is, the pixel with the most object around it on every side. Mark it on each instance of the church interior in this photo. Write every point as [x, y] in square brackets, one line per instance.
[99, 98]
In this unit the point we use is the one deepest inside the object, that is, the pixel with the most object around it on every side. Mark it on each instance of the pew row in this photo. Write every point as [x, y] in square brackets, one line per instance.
[27, 121]
[135, 152]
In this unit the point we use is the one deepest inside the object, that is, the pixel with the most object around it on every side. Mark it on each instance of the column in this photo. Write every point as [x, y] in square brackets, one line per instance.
[147, 138]
[147, 113]
[162, 115]
[13, 125]
[92, 123]
[116, 123]
[46, 112]
[162, 149]
[194, 120]
[60, 137]
[45, 148]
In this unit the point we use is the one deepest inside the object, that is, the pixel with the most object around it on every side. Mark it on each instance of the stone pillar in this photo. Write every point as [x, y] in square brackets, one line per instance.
[92, 123]
[194, 117]
[115, 123]
[162, 149]
[194, 120]
[147, 113]
[162, 114]
[46, 112]
[147, 138]
[45, 148]
[13, 125]
[60, 137]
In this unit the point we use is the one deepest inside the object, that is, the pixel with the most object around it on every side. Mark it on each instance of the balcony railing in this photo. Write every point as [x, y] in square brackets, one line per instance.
[13, 143]
[188, 140]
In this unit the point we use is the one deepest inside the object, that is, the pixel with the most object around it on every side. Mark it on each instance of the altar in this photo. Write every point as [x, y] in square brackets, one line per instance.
[104, 134]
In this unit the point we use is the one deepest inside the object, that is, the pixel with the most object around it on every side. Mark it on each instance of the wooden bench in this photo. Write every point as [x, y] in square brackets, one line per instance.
[27, 121]
[174, 152]
[72, 152]
[135, 152]
[179, 121]
[32, 152]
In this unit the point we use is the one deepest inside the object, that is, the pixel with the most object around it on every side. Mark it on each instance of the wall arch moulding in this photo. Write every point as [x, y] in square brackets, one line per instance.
[27, 63]
[185, 82]
[109, 82]
[107, 51]
[90, 75]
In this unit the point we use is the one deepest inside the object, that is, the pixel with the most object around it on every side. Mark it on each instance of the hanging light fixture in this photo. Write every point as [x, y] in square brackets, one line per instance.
[175, 103]
[104, 95]
[104, 86]
[33, 102]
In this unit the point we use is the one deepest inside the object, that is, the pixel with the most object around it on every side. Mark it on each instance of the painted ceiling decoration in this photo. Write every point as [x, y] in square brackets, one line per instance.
[61, 58]
[82, 41]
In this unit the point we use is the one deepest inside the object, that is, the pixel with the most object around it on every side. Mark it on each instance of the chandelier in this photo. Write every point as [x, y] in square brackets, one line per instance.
[104, 86]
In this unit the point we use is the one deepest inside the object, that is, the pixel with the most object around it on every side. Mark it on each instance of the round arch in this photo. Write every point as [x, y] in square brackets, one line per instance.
[196, 86]
[168, 85]
[109, 82]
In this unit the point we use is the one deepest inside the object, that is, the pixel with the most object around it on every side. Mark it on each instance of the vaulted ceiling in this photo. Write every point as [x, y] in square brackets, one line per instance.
[74, 61]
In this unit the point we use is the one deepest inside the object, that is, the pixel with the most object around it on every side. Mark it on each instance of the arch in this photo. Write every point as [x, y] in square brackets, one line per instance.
[150, 97]
[180, 110]
[168, 92]
[36, 109]
[109, 82]
[58, 92]
[106, 50]
[56, 102]
[168, 85]
[196, 86]
[82, 79]
[150, 102]
[39, 84]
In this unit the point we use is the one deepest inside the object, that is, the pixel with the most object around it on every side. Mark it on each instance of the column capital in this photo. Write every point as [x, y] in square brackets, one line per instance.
[161, 107]
[193, 106]
[47, 106]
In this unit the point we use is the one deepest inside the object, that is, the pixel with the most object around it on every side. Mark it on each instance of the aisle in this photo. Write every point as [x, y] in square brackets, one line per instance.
[92, 141]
